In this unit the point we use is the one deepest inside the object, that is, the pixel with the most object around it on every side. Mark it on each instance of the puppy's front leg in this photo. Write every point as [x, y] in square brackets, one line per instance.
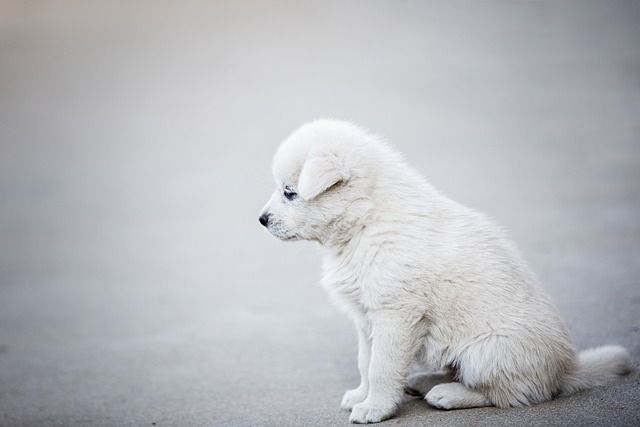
[395, 341]
[357, 395]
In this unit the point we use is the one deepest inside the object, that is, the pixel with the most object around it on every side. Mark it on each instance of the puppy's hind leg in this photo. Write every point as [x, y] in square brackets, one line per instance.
[456, 396]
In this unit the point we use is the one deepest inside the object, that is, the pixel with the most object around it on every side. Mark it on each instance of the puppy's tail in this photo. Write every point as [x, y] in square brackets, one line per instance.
[597, 366]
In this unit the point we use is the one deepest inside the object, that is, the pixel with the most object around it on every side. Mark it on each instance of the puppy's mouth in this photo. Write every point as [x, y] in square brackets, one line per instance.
[281, 234]
[286, 237]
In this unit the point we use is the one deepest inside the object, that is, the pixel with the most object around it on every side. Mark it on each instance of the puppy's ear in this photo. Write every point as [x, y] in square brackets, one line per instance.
[320, 172]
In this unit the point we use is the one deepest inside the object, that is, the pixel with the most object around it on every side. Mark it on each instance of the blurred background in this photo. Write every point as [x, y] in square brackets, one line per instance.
[136, 285]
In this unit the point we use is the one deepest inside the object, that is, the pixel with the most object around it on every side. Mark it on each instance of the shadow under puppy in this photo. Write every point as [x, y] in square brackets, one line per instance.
[425, 280]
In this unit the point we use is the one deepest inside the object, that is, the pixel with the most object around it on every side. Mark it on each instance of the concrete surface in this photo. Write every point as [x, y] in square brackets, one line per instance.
[136, 285]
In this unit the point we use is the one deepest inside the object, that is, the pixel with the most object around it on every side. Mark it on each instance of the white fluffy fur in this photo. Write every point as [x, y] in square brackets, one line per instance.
[425, 280]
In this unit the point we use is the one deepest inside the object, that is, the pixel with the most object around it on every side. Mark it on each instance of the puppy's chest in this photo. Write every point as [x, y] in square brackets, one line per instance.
[349, 282]
[342, 285]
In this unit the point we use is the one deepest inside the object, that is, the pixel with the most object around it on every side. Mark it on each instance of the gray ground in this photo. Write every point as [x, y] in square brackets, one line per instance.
[136, 285]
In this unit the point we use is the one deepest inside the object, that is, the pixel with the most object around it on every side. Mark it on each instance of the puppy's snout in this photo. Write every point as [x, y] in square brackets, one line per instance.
[264, 219]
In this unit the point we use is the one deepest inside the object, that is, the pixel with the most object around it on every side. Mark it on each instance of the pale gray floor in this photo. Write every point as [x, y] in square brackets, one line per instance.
[136, 285]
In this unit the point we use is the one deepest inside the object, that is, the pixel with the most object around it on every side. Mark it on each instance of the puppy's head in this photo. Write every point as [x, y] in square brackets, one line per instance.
[319, 191]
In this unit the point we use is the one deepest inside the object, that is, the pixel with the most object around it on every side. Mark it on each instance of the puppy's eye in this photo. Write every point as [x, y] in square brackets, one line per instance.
[289, 193]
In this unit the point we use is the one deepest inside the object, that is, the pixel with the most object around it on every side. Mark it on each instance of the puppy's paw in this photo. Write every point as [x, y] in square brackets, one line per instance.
[455, 395]
[353, 397]
[365, 412]
[418, 385]
[439, 397]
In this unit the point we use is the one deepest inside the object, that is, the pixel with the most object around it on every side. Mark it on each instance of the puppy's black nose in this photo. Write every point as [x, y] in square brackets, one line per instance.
[264, 219]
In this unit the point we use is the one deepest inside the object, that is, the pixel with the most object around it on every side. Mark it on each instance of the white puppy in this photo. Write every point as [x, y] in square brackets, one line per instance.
[424, 279]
